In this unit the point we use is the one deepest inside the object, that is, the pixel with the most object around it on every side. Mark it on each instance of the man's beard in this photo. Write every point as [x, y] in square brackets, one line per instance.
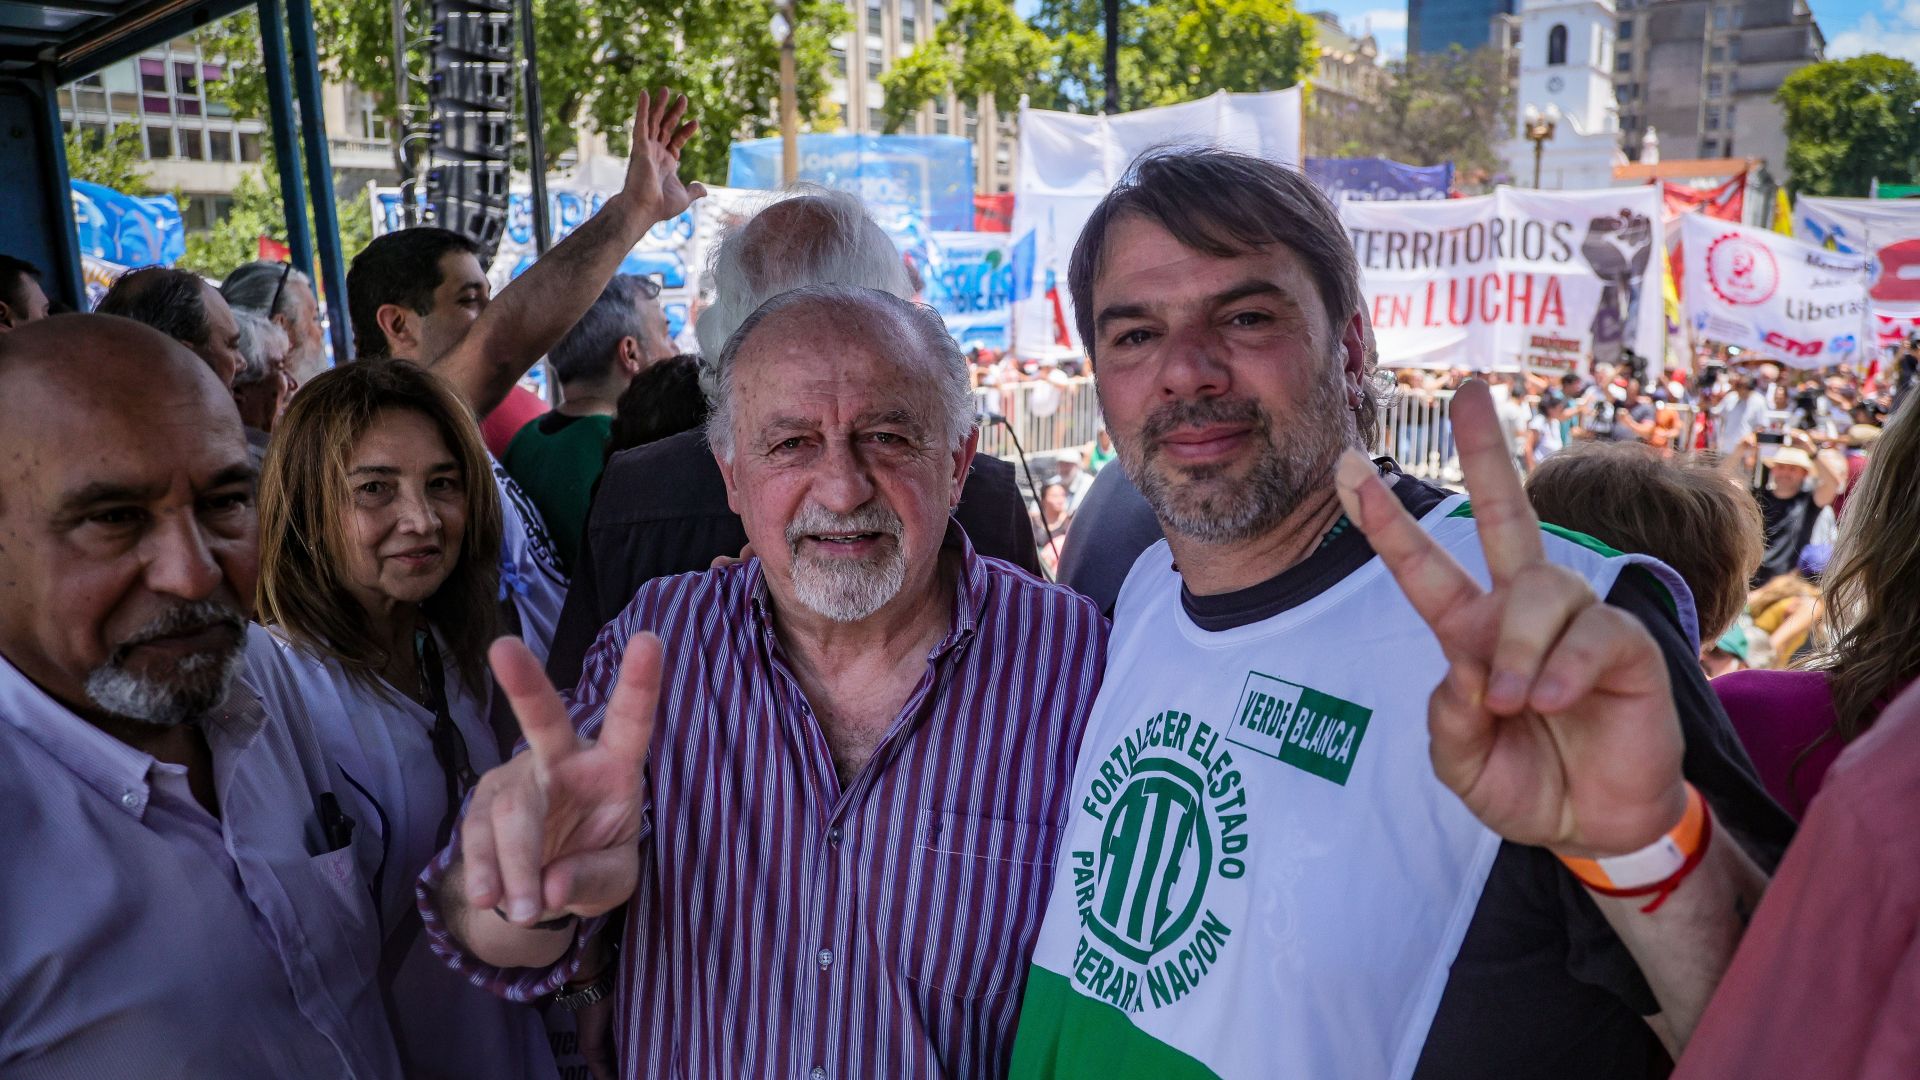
[190, 690]
[1205, 502]
[848, 590]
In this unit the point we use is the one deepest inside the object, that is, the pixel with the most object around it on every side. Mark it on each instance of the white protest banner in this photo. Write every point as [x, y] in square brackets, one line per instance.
[1886, 229]
[1548, 281]
[1069, 161]
[1759, 290]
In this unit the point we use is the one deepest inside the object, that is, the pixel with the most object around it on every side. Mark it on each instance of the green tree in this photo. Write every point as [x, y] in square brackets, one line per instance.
[983, 47]
[597, 56]
[1849, 121]
[1454, 106]
[113, 159]
[1172, 51]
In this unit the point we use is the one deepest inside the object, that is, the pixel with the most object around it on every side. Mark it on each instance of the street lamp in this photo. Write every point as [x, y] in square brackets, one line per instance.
[782, 28]
[1539, 128]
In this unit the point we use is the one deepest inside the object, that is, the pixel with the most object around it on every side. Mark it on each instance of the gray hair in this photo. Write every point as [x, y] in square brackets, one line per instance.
[586, 352]
[252, 286]
[909, 321]
[259, 340]
[827, 239]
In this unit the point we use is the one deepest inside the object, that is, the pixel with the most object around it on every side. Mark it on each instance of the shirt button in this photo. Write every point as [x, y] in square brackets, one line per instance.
[130, 800]
[818, 1073]
[833, 836]
[826, 959]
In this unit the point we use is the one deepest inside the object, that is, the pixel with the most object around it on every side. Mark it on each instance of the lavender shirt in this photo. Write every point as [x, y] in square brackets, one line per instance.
[143, 937]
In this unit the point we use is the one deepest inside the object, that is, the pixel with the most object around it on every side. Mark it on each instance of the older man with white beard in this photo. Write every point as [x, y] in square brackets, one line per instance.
[178, 883]
[833, 844]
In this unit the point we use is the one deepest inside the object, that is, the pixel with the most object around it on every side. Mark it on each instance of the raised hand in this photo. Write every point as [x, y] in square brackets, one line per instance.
[555, 830]
[660, 132]
[1555, 723]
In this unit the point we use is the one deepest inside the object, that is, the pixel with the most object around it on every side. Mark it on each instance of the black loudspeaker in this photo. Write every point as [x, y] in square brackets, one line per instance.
[470, 130]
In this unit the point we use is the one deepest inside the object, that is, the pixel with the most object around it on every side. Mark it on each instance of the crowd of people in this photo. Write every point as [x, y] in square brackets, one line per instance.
[369, 720]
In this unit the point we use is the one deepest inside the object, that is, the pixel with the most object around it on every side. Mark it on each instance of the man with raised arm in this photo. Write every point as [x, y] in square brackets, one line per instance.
[1272, 865]
[421, 295]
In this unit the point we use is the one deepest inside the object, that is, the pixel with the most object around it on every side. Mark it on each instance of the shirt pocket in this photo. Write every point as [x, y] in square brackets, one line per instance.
[337, 912]
[979, 887]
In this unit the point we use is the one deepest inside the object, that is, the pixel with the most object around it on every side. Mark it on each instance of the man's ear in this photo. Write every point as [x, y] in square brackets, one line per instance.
[1356, 346]
[726, 476]
[963, 466]
[632, 358]
[8, 320]
[401, 325]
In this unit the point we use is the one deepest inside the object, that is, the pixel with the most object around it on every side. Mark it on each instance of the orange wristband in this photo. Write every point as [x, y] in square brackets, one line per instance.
[1657, 869]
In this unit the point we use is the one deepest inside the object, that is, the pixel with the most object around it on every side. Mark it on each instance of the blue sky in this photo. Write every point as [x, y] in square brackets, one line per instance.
[1852, 27]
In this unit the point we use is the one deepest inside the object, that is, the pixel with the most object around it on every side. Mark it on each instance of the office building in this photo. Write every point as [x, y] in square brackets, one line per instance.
[885, 31]
[1434, 26]
[195, 145]
[1347, 80]
[1704, 72]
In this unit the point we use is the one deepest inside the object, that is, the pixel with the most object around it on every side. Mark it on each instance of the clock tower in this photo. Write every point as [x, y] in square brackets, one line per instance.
[1566, 77]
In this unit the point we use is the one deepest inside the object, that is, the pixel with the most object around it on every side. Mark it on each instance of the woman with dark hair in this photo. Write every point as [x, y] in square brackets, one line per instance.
[379, 582]
[663, 400]
[1795, 723]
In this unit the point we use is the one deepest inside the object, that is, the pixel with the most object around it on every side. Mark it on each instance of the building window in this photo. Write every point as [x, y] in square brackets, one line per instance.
[249, 146]
[1722, 18]
[186, 80]
[153, 77]
[874, 64]
[1625, 32]
[873, 20]
[1713, 118]
[1719, 54]
[191, 146]
[1710, 148]
[220, 146]
[906, 28]
[876, 120]
[941, 125]
[1623, 61]
[839, 57]
[159, 143]
[1557, 44]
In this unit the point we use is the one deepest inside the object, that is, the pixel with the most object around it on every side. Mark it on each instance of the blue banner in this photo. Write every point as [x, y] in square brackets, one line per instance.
[1378, 179]
[128, 230]
[969, 281]
[903, 179]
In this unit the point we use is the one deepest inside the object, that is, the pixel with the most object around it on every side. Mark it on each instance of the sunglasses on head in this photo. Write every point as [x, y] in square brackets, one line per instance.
[286, 271]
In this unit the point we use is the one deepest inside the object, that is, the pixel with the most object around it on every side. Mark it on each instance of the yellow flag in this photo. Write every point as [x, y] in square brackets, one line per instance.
[1782, 213]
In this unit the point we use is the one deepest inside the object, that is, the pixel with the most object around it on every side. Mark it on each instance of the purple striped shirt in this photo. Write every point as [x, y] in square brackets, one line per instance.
[786, 927]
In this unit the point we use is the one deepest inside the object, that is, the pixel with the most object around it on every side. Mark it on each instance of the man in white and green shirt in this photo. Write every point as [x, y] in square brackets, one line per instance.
[1322, 805]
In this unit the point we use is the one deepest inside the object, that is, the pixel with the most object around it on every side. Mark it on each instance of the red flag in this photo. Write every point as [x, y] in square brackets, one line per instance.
[273, 250]
[1726, 202]
[993, 213]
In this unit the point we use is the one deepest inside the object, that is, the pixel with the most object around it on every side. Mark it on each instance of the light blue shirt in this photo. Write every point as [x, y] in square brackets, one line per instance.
[141, 936]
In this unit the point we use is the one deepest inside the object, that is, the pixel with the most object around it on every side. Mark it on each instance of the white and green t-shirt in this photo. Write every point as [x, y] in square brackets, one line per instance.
[1261, 875]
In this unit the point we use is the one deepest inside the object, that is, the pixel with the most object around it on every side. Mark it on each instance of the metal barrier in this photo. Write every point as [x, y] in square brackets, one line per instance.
[1416, 430]
[1047, 415]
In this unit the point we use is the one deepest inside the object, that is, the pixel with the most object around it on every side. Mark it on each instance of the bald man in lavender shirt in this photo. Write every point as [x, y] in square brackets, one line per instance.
[181, 893]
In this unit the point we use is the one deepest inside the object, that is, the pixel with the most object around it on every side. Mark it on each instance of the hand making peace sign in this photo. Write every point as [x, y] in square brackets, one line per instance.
[555, 830]
[1555, 722]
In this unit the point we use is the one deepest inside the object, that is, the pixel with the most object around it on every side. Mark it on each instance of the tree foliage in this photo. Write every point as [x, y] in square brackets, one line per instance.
[595, 59]
[1454, 106]
[983, 47]
[1171, 51]
[113, 159]
[1850, 121]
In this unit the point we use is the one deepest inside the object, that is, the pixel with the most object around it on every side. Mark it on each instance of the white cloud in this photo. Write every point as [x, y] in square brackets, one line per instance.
[1898, 35]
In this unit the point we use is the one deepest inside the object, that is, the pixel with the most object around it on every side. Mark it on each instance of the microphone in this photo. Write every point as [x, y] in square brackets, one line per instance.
[988, 416]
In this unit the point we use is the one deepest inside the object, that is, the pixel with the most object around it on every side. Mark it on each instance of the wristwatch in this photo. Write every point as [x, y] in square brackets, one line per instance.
[592, 993]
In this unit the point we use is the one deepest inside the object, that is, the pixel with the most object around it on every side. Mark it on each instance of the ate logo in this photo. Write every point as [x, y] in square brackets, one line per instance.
[1741, 271]
[1790, 346]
